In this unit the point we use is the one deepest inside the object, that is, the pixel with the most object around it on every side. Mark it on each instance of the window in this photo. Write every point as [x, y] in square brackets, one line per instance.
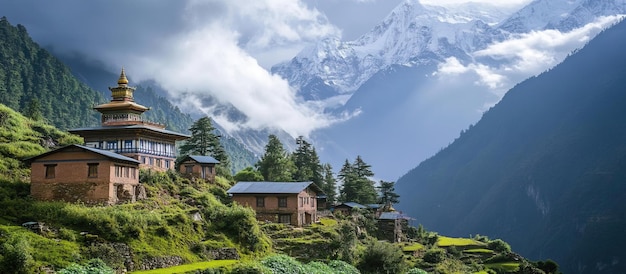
[126, 172]
[189, 169]
[158, 162]
[118, 171]
[128, 143]
[167, 164]
[133, 173]
[50, 171]
[284, 218]
[260, 201]
[93, 170]
[282, 201]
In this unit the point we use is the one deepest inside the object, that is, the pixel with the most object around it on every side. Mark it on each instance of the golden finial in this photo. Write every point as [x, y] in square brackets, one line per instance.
[123, 80]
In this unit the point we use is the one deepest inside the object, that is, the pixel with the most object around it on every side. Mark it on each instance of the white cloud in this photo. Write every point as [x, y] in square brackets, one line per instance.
[522, 56]
[494, 2]
[211, 58]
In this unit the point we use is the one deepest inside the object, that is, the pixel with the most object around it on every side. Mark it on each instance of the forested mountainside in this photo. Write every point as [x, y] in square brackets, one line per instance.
[35, 83]
[544, 169]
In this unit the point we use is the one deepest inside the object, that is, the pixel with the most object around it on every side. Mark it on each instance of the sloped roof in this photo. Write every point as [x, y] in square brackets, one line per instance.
[353, 205]
[130, 127]
[106, 153]
[201, 159]
[271, 187]
[393, 216]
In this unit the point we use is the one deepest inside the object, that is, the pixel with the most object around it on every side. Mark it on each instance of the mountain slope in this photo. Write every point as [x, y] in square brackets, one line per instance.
[544, 169]
[35, 83]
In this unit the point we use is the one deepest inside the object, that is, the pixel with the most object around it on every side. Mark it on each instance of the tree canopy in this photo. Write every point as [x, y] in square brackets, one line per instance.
[204, 141]
[276, 164]
[357, 187]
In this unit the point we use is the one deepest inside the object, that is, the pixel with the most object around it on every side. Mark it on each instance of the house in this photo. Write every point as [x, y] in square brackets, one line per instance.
[281, 202]
[198, 166]
[79, 173]
[392, 226]
[124, 131]
[347, 207]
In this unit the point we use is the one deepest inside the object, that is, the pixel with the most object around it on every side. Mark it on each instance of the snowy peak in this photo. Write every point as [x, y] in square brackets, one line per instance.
[411, 33]
[563, 15]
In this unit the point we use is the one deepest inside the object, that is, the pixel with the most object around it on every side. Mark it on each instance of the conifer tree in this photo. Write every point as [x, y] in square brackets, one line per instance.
[307, 163]
[357, 187]
[387, 193]
[329, 185]
[276, 164]
[205, 142]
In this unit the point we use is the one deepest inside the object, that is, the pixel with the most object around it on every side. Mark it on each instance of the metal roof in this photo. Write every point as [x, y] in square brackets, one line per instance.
[203, 159]
[271, 187]
[353, 205]
[393, 216]
[164, 131]
[105, 153]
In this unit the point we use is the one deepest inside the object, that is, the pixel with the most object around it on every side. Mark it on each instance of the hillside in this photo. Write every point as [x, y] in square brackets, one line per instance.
[193, 225]
[35, 83]
[544, 169]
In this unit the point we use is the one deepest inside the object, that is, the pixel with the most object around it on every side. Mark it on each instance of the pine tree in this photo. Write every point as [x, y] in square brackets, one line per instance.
[307, 163]
[387, 193]
[276, 164]
[329, 185]
[205, 142]
[357, 187]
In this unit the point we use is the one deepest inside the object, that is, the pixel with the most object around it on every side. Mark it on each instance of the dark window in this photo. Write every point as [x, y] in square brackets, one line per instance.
[188, 169]
[260, 201]
[50, 171]
[282, 201]
[284, 218]
[93, 170]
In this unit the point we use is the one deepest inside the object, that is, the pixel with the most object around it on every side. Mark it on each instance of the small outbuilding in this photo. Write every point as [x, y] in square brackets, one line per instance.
[198, 166]
[392, 226]
[347, 208]
[77, 173]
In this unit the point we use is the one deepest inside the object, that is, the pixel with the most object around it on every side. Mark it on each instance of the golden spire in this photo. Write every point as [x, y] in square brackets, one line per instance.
[123, 81]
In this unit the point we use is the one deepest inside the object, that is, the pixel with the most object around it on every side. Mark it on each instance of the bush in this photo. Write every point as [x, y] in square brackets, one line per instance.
[416, 271]
[499, 246]
[94, 266]
[382, 257]
[434, 255]
[16, 257]
[341, 267]
[283, 264]
[251, 268]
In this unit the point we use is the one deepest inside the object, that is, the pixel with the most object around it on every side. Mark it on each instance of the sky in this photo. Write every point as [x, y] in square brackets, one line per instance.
[221, 48]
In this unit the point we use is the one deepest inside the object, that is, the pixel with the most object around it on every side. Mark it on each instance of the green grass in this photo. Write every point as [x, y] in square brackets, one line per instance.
[478, 250]
[448, 241]
[188, 267]
[506, 266]
[413, 247]
[328, 222]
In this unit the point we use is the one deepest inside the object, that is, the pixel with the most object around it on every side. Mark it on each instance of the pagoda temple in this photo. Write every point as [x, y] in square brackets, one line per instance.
[123, 131]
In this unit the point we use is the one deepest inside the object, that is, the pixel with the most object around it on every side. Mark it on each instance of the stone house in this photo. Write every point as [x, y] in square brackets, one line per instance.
[347, 207]
[393, 226]
[198, 166]
[280, 202]
[77, 173]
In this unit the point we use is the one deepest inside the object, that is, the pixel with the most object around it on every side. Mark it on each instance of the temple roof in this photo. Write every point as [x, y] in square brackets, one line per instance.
[120, 105]
[178, 136]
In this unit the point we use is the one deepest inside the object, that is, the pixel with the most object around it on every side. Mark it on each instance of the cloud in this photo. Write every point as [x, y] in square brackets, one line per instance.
[502, 64]
[194, 49]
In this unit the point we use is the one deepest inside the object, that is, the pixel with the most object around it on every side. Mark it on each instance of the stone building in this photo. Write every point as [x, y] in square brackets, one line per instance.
[280, 202]
[124, 131]
[198, 166]
[77, 173]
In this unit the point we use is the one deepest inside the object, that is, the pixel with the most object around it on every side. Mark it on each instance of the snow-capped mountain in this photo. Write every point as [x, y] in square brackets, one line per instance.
[413, 34]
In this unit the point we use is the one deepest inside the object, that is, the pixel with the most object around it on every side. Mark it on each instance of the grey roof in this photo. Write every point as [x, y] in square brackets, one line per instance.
[105, 153]
[202, 159]
[393, 216]
[271, 187]
[353, 205]
[164, 131]
[374, 206]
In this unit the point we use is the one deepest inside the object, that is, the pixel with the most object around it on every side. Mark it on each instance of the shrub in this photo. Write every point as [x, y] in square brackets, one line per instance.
[16, 257]
[434, 255]
[251, 268]
[283, 264]
[94, 266]
[416, 271]
[499, 246]
[341, 267]
[382, 257]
